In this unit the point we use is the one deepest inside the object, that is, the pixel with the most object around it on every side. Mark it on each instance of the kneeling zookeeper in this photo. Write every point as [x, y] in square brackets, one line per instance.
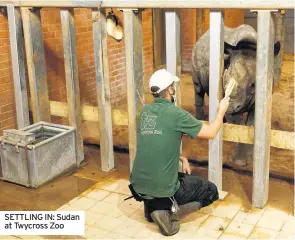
[167, 193]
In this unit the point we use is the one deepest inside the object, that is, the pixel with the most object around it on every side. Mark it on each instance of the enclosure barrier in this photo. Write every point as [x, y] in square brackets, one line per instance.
[27, 14]
[214, 4]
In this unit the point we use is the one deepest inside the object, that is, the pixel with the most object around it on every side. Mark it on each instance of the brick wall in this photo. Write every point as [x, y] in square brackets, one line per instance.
[7, 102]
[188, 36]
[147, 28]
[232, 18]
[53, 48]
[117, 62]
[85, 55]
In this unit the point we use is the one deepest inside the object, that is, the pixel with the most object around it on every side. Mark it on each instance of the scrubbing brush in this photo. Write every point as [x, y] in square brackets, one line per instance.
[230, 86]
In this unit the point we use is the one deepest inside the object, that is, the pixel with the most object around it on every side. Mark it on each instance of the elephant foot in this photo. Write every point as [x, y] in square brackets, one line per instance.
[240, 161]
[242, 156]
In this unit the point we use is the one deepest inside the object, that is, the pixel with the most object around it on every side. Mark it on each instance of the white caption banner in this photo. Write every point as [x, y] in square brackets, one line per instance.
[42, 223]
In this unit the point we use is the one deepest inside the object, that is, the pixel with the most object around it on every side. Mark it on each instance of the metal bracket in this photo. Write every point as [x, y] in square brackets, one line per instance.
[254, 11]
[135, 10]
[2, 142]
[96, 17]
[3, 10]
[35, 9]
[16, 146]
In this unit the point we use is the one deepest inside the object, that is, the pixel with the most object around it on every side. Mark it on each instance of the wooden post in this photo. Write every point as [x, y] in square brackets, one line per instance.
[134, 72]
[263, 102]
[279, 25]
[18, 66]
[36, 65]
[103, 89]
[216, 71]
[173, 57]
[72, 79]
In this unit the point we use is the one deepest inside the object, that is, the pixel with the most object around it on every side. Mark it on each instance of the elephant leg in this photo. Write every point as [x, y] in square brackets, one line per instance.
[199, 103]
[199, 96]
[242, 152]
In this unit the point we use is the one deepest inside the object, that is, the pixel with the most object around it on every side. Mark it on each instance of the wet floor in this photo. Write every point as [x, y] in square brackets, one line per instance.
[58, 192]
[61, 190]
[47, 197]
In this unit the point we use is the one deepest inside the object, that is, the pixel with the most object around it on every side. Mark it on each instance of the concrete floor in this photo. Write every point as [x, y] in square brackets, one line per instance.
[101, 196]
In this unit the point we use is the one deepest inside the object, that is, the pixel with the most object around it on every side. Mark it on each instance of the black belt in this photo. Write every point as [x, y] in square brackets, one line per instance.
[138, 197]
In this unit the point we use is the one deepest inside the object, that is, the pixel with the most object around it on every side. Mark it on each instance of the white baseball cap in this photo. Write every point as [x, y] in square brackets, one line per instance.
[162, 79]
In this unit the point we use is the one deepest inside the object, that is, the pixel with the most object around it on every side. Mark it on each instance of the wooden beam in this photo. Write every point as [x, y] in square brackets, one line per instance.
[134, 72]
[216, 70]
[231, 132]
[173, 57]
[215, 4]
[89, 113]
[263, 103]
[103, 89]
[18, 66]
[245, 134]
[36, 65]
[72, 79]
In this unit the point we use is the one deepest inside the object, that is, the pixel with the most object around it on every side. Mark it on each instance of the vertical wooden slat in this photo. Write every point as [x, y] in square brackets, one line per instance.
[279, 25]
[103, 89]
[36, 65]
[173, 58]
[18, 66]
[72, 79]
[216, 70]
[263, 102]
[134, 73]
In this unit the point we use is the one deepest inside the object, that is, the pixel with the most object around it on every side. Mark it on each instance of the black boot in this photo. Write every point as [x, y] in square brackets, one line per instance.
[167, 221]
[188, 208]
[147, 212]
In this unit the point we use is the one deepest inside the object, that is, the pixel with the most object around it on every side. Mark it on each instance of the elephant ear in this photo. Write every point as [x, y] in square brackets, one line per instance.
[242, 38]
[242, 35]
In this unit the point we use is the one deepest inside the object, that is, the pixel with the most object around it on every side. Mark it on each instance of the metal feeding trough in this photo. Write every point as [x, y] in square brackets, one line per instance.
[36, 154]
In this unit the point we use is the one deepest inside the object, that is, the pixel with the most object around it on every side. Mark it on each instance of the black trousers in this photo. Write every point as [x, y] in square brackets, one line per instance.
[192, 189]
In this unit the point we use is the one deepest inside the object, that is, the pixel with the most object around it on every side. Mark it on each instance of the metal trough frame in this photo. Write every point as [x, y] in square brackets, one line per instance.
[133, 47]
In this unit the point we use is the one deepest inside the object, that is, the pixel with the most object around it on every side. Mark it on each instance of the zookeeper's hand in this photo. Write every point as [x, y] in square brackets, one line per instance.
[185, 165]
[223, 105]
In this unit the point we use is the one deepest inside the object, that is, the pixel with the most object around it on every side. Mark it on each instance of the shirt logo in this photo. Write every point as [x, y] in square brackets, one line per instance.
[148, 125]
[148, 122]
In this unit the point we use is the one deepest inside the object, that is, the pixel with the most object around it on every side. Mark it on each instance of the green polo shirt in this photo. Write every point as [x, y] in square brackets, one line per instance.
[156, 165]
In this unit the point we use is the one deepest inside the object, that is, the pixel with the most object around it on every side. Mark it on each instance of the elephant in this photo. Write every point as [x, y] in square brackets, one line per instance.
[239, 63]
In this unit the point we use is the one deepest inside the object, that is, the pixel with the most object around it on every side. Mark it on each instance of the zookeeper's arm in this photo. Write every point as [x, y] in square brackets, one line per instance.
[209, 131]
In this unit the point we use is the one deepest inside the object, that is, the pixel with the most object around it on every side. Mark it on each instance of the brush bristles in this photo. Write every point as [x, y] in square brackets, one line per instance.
[230, 86]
